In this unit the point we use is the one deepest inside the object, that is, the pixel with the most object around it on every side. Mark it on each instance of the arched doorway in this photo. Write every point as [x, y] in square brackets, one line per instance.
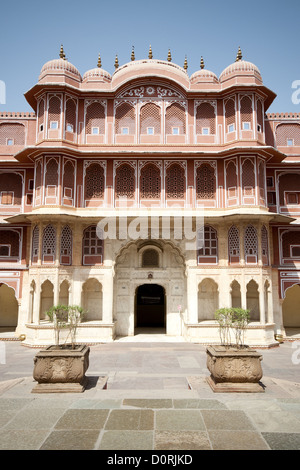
[8, 308]
[291, 307]
[150, 306]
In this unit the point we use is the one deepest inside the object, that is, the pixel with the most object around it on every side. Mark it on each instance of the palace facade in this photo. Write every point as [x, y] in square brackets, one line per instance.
[150, 198]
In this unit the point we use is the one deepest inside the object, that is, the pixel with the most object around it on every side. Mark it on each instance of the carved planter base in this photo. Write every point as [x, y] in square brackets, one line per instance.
[61, 370]
[234, 370]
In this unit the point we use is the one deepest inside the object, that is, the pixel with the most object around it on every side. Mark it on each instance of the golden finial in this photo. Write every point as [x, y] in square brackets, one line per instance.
[201, 63]
[99, 62]
[132, 54]
[185, 65]
[116, 62]
[169, 56]
[62, 54]
[150, 55]
[239, 55]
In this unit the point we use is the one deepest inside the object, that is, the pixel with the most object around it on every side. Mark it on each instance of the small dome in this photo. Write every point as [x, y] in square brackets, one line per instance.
[240, 68]
[204, 76]
[58, 66]
[96, 74]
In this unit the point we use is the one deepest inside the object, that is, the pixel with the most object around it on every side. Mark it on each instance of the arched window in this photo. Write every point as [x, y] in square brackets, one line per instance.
[49, 245]
[66, 246]
[205, 182]
[94, 182]
[246, 112]
[234, 245]
[95, 118]
[205, 119]
[230, 115]
[9, 244]
[150, 182]
[251, 244]
[41, 115]
[35, 244]
[150, 119]
[175, 119]
[264, 245]
[175, 182]
[54, 111]
[125, 119]
[207, 245]
[70, 116]
[51, 180]
[68, 182]
[248, 178]
[92, 246]
[150, 258]
[10, 189]
[125, 182]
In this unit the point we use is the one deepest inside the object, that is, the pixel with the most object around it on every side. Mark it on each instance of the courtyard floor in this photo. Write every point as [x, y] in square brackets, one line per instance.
[156, 398]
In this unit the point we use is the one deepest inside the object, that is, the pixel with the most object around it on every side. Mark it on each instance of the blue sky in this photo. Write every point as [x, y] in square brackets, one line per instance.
[267, 31]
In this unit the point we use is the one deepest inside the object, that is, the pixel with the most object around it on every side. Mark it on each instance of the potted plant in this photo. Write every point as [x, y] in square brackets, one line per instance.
[61, 367]
[234, 367]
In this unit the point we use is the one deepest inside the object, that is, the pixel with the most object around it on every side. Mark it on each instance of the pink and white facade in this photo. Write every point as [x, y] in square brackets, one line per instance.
[146, 153]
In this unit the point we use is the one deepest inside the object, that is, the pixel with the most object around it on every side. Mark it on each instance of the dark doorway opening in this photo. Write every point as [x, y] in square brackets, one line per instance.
[150, 306]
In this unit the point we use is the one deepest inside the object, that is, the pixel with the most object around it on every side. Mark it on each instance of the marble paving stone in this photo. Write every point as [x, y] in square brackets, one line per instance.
[83, 439]
[226, 419]
[82, 419]
[282, 441]
[142, 420]
[202, 404]
[36, 418]
[151, 403]
[127, 440]
[22, 439]
[237, 440]
[6, 416]
[181, 440]
[248, 404]
[179, 420]
[275, 421]
[14, 403]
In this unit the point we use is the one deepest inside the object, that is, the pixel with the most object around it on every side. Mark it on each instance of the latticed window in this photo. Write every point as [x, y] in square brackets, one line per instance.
[94, 182]
[175, 119]
[260, 116]
[264, 245]
[51, 178]
[246, 112]
[150, 119]
[291, 244]
[230, 115]
[205, 119]
[289, 183]
[248, 177]
[251, 243]
[210, 242]
[12, 133]
[9, 243]
[175, 182]
[66, 246]
[150, 182]
[41, 115]
[288, 132]
[11, 187]
[125, 182]
[233, 243]
[261, 178]
[150, 258]
[54, 113]
[35, 243]
[205, 182]
[49, 244]
[92, 246]
[231, 179]
[95, 118]
[125, 119]
[68, 180]
[70, 117]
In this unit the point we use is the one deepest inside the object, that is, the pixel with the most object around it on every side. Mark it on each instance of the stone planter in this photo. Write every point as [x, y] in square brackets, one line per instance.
[61, 369]
[234, 370]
